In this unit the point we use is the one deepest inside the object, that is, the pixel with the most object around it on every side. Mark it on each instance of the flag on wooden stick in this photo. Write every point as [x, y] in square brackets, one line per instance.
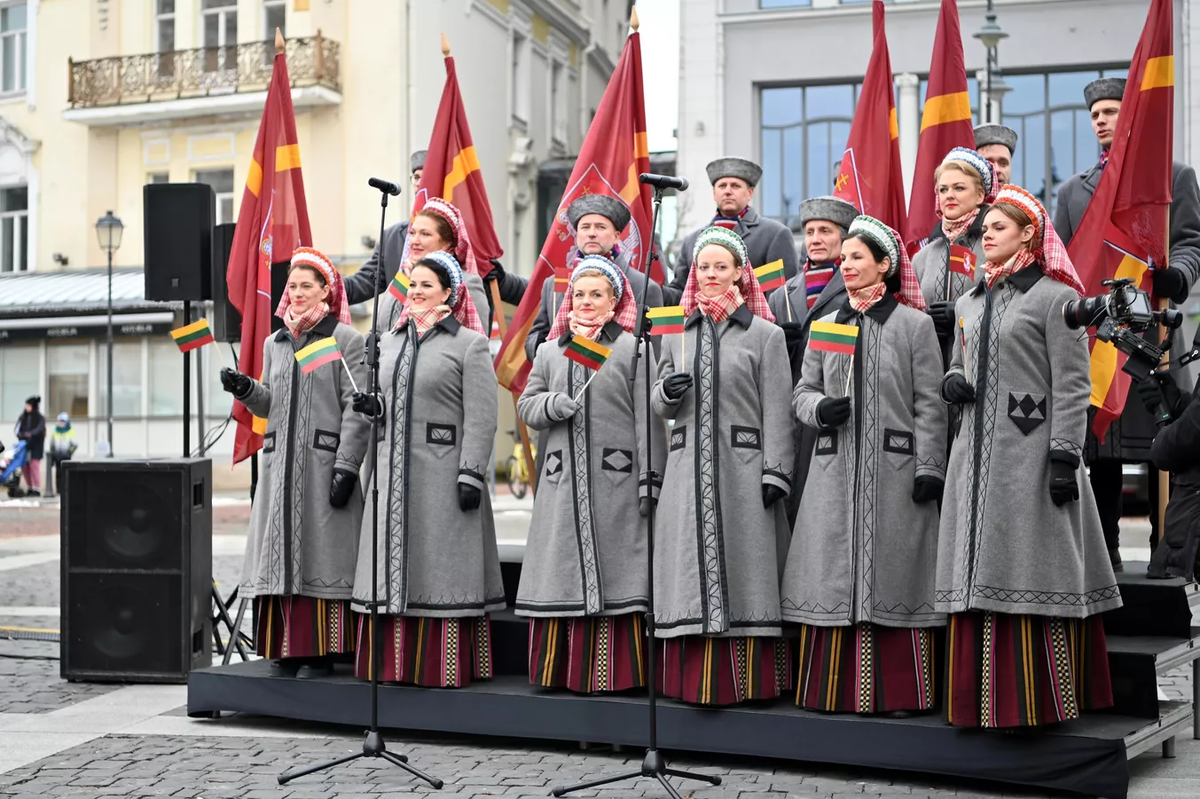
[587, 353]
[770, 276]
[193, 336]
[399, 287]
[962, 260]
[318, 354]
[666, 320]
[832, 337]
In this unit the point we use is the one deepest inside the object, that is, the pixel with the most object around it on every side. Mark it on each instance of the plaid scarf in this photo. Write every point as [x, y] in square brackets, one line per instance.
[589, 328]
[719, 308]
[298, 325]
[424, 318]
[997, 272]
[862, 299]
[729, 224]
[959, 226]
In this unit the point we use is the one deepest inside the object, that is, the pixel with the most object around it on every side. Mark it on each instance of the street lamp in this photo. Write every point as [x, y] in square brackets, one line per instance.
[108, 231]
[990, 36]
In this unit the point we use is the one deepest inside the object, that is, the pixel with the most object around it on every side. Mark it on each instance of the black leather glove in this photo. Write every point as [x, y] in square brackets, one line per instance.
[497, 272]
[1063, 488]
[367, 405]
[676, 384]
[341, 488]
[943, 317]
[1161, 396]
[793, 333]
[956, 390]
[927, 489]
[772, 494]
[235, 382]
[833, 411]
[469, 497]
[644, 506]
[1169, 283]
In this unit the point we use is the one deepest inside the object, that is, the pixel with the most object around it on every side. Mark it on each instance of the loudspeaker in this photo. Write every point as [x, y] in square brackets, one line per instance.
[136, 590]
[226, 321]
[179, 219]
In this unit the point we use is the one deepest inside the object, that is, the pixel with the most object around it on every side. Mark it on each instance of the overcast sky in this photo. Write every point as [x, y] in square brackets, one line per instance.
[659, 20]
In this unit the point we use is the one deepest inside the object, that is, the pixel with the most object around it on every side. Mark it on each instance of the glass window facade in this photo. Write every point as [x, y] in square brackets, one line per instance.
[67, 377]
[20, 366]
[127, 382]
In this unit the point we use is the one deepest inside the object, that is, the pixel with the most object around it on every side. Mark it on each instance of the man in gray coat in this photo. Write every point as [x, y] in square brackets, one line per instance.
[733, 181]
[997, 144]
[1129, 438]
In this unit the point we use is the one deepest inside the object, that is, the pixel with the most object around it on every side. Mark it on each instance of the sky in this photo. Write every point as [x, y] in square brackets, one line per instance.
[659, 21]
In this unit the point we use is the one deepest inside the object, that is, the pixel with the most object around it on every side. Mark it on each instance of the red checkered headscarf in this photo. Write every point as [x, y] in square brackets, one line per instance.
[625, 312]
[462, 251]
[752, 293]
[891, 243]
[314, 259]
[462, 307]
[1049, 249]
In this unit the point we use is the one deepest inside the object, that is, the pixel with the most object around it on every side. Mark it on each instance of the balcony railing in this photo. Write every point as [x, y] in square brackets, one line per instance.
[200, 72]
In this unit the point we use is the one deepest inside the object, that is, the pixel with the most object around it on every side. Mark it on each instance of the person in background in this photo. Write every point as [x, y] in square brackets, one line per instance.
[31, 428]
[997, 144]
[62, 445]
[1176, 449]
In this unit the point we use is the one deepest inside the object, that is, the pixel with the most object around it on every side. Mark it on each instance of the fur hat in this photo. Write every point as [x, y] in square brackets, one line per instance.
[610, 208]
[833, 209]
[1104, 89]
[734, 167]
[417, 160]
[996, 134]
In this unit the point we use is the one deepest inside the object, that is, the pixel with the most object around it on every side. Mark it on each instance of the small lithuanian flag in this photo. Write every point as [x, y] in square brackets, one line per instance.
[318, 354]
[832, 337]
[586, 352]
[399, 287]
[667, 320]
[770, 276]
[193, 336]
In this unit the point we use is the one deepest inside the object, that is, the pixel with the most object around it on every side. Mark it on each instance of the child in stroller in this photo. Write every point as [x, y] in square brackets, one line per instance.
[11, 462]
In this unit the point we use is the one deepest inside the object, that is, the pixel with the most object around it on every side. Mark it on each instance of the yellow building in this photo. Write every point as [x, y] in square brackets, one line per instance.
[99, 97]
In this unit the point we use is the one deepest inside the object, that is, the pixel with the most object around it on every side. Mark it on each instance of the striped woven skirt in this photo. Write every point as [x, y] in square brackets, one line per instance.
[1025, 671]
[588, 655]
[702, 670]
[431, 652]
[302, 627]
[866, 668]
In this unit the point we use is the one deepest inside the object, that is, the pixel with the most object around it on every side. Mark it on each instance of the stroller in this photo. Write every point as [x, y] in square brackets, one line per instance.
[11, 464]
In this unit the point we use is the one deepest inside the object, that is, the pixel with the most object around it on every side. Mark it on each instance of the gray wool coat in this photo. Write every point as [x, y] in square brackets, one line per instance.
[298, 544]
[862, 550]
[440, 407]
[586, 553]
[718, 552]
[1004, 546]
[932, 263]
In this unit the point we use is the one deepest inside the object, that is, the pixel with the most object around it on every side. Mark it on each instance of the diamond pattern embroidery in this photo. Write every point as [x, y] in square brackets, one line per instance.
[1026, 411]
[617, 460]
[589, 565]
[395, 541]
[708, 500]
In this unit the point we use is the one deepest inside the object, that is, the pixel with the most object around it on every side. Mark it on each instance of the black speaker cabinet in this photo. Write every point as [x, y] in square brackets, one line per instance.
[178, 238]
[136, 587]
[226, 321]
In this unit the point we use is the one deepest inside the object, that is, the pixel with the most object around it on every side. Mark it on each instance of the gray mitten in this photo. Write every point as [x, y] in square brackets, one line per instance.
[562, 407]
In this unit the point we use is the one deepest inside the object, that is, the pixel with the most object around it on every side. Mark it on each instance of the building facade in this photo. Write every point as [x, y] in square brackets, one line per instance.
[99, 97]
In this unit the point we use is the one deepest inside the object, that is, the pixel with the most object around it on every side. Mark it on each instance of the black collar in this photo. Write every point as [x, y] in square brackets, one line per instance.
[611, 330]
[880, 311]
[1023, 280]
[322, 329]
[971, 234]
[449, 324]
[743, 316]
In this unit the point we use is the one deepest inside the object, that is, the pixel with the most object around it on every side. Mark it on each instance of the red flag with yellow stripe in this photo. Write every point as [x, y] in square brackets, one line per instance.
[613, 154]
[1123, 232]
[273, 220]
[945, 123]
[452, 173]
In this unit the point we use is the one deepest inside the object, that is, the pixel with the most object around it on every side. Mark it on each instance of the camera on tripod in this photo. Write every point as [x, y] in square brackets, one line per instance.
[1119, 317]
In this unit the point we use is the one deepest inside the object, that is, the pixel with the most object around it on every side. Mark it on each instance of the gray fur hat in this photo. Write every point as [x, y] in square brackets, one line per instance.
[417, 160]
[733, 167]
[996, 134]
[610, 208]
[833, 209]
[1103, 89]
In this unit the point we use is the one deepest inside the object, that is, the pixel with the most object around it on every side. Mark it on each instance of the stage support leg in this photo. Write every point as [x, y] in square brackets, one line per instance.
[1169, 748]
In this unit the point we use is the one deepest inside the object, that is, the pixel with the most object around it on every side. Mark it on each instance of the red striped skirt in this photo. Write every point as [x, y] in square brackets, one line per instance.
[702, 670]
[588, 655]
[302, 627]
[1025, 671]
[866, 668]
[431, 652]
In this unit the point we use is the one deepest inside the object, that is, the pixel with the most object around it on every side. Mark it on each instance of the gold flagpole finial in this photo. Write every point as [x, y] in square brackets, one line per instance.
[279, 41]
[445, 46]
[633, 19]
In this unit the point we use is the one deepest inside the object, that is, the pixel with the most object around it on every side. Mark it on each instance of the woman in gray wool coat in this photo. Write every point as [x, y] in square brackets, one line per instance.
[1025, 590]
[308, 507]
[439, 569]
[718, 551]
[584, 580]
[860, 571]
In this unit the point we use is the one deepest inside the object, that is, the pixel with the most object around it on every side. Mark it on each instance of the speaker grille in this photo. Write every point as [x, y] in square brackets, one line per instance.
[126, 623]
[127, 521]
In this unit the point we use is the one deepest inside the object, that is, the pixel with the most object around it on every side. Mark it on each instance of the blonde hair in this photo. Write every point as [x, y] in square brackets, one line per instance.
[965, 168]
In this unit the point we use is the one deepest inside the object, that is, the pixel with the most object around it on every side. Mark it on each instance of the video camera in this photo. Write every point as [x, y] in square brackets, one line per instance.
[1119, 317]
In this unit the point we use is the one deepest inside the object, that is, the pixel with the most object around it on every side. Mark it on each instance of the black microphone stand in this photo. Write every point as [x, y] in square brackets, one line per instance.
[373, 744]
[654, 766]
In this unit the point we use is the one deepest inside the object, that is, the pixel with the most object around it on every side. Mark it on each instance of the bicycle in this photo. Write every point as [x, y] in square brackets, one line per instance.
[516, 468]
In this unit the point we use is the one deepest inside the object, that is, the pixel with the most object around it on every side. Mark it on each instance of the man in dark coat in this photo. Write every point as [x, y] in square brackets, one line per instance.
[997, 144]
[1176, 449]
[1128, 439]
[733, 181]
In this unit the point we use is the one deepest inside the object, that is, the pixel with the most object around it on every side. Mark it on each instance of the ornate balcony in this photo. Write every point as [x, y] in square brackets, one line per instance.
[207, 80]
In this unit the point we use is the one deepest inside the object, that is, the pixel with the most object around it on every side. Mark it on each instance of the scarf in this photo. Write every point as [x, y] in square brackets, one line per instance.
[997, 272]
[299, 325]
[589, 328]
[719, 308]
[726, 222]
[958, 227]
[816, 278]
[862, 299]
[425, 318]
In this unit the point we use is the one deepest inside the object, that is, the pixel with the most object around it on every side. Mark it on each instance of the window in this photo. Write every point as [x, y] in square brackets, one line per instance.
[14, 229]
[221, 181]
[67, 367]
[20, 367]
[558, 104]
[166, 379]
[274, 16]
[784, 3]
[158, 177]
[127, 385]
[164, 36]
[219, 20]
[12, 47]
[520, 78]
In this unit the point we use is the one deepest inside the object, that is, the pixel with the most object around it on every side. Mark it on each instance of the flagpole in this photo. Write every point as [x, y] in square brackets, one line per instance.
[1164, 477]
[522, 430]
[347, 368]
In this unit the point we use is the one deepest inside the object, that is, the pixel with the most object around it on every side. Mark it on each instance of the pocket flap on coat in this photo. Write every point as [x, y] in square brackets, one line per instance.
[827, 442]
[617, 460]
[325, 440]
[440, 434]
[897, 441]
[678, 438]
[745, 437]
[269, 442]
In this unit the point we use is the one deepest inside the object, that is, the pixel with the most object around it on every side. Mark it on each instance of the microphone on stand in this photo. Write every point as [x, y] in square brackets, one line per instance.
[385, 186]
[663, 181]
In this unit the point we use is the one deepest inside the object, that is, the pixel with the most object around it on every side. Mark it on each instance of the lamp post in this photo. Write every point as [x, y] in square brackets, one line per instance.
[990, 36]
[108, 231]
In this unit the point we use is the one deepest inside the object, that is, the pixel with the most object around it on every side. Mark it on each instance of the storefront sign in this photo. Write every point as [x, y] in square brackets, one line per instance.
[53, 331]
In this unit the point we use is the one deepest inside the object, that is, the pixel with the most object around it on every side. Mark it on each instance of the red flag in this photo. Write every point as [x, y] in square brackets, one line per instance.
[1123, 232]
[273, 220]
[452, 173]
[870, 176]
[945, 123]
[962, 260]
[613, 154]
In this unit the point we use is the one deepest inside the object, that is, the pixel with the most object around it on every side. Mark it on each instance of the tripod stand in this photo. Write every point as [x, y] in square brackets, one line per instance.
[373, 744]
[654, 766]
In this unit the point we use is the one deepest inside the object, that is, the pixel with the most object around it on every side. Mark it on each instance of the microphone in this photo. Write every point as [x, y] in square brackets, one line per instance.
[663, 181]
[384, 186]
